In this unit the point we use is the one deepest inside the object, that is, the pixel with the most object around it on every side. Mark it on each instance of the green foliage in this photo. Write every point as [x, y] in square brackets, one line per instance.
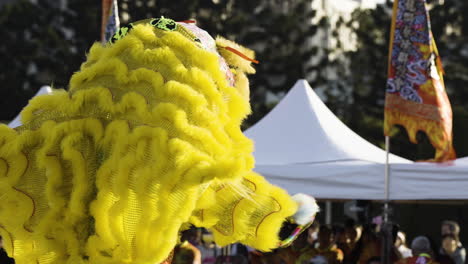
[368, 66]
[55, 40]
[43, 43]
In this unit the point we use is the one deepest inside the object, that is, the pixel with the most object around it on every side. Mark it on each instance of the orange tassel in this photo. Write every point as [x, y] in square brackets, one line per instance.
[242, 55]
[191, 21]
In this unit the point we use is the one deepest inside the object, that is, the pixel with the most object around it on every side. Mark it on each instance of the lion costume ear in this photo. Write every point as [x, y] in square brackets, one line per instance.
[239, 60]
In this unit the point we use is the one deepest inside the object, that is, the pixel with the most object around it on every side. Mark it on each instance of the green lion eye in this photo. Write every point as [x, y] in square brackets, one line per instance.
[154, 21]
[164, 24]
[122, 32]
[161, 23]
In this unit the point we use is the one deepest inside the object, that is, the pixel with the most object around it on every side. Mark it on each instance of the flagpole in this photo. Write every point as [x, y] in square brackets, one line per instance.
[387, 173]
[110, 19]
[387, 226]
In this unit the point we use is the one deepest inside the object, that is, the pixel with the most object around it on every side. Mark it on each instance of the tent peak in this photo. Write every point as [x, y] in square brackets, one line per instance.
[301, 129]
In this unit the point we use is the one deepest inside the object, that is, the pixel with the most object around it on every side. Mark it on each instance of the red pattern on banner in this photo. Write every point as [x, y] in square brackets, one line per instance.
[416, 97]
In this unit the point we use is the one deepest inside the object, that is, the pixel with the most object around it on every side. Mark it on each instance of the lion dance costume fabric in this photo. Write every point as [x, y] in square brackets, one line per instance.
[146, 142]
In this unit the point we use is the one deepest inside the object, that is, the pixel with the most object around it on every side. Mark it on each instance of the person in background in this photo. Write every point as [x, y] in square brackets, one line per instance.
[295, 251]
[186, 252]
[421, 250]
[287, 255]
[449, 228]
[400, 244]
[313, 233]
[194, 236]
[373, 248]
[352, 233]
[233, 254]
[208, 249]
[326, 251]
[451, 247]
[442, 259]
[341, 240]
[368, 236]
[369, 246]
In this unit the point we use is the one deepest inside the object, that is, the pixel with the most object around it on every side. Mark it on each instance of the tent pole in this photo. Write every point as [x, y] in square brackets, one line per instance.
[387, 225]
[328, 212]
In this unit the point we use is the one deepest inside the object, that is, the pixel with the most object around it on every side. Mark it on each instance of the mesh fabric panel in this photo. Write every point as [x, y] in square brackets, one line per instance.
[109, 171]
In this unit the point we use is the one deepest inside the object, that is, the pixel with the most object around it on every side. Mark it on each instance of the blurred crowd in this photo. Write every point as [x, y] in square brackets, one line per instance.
[350, 243]
[323, 244]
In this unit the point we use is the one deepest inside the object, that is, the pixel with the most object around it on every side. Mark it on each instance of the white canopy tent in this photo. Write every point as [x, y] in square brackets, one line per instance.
[430, 181]
[303, 147]
[17, 121]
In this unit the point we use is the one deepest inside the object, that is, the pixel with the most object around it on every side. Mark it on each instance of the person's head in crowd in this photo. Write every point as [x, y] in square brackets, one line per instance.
[449, 243]
[369, 234]
[340, 234]
[325, 236]
[400, 239]
[207, 238]
[353, 231]
[395, 230]
[450, 227]
[192, 235]
[421, 245]
[312, 232]
[374, 260]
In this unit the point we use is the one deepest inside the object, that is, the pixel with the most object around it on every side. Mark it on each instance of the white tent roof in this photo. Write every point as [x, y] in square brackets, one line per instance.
[304, 130]
[303, 147]
[430, 181]
[17, 121]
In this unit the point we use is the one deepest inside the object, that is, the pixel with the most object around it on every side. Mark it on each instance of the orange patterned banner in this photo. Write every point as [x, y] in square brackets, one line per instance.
[415, 92]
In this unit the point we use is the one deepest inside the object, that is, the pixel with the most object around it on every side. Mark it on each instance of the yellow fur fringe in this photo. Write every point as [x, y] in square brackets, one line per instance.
[147, 138]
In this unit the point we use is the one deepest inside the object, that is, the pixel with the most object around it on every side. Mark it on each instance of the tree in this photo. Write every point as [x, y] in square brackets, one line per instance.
[49, 43]
[42, 43]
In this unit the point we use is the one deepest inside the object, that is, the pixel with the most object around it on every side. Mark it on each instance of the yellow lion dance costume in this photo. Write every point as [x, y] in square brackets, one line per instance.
[146, 141]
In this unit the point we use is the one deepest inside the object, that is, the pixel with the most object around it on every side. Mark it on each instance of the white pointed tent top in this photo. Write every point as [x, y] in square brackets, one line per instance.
[302, 130]
[17, 121]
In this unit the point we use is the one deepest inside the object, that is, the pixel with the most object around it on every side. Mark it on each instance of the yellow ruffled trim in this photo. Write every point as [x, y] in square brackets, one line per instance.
[110, 171]
[250, 211]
